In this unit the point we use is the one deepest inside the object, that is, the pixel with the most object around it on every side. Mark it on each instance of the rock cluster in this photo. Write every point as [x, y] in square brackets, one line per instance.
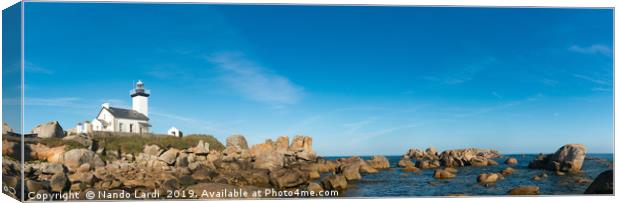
[11, 177]
[430, 158]
[280, 165]
[271, 155]
[569, 158]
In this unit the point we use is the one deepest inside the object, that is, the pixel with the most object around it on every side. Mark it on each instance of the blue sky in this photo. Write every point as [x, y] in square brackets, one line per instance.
[359, 80]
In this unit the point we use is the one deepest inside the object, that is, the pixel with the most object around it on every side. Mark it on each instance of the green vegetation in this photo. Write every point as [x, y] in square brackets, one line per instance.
[132, 143]
[56, 142]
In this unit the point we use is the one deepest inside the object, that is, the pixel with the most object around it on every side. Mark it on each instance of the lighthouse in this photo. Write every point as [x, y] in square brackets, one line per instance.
[114, 119]
[140, 99]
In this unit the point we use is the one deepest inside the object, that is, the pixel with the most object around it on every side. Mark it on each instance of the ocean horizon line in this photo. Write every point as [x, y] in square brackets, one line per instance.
[388, 155]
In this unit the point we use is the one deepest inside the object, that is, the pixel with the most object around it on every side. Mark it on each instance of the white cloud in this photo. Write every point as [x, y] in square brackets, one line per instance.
[601, 89]
[29, 67]
[254, 81]
[592, 79]
[58, 102]
[592, 49]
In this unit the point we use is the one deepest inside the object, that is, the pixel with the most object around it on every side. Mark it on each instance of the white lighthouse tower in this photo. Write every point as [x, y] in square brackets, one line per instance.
[140, 99]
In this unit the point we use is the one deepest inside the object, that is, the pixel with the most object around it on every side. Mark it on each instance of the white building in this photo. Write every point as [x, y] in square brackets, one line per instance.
[85, 127]
[134, 120]
[175, 132]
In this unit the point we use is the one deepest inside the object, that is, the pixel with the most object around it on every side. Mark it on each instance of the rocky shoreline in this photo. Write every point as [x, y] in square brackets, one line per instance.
[276, 166]
[280, 168]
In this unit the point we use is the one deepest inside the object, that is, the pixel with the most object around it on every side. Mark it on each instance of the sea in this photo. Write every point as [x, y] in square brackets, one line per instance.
[394, 183]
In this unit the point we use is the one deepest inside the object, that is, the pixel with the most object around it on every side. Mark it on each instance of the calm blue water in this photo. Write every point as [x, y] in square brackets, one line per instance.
[394, 183]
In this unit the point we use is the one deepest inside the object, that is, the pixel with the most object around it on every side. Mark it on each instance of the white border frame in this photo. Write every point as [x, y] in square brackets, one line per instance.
[464, 3]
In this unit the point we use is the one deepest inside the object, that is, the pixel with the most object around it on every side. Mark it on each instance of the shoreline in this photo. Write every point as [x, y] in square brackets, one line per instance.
[147, 164]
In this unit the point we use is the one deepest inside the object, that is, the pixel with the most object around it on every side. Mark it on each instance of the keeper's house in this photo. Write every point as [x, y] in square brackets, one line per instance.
[112, 119]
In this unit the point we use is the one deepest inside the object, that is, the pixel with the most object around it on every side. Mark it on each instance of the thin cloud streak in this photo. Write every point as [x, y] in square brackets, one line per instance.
[592, 79]
[476, 112]
[29, 67]
[73, 102]
[592, 49]
[255, 82]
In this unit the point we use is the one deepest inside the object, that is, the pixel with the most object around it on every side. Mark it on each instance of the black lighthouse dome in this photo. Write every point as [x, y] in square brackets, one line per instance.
[139, 90]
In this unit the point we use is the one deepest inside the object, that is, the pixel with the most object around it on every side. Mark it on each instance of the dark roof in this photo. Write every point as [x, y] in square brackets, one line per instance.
[141, 92]
[127, 114]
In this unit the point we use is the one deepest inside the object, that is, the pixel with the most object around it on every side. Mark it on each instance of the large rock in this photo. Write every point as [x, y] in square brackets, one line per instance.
[569, 158]
[59, 182]
[405, 162]
[524, 190]
[52, 168]
[426, 164]
[326, 165]
[85, 178]
[314, 187]
[266, 156]
[282, 144]
[256, 177]
[48, 130]
[431, 151]
[379, 162]
[237, 141]
[170, 156]
[443, 174]
[36, 186]
[487, 178]
[302, 148]
[44, 153]
[6, 128]
[235, 153]
[152, 150]
[74, 158]
[287, 178]
[603, 184]
[202, 148]
[511, 161]
[352, 172]
[270, 155]
[365, 168]
[350, 167]
[507, 171]
[334, 182]
[11, 149]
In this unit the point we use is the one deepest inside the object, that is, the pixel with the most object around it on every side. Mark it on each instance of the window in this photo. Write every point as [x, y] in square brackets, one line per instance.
[120, 127]
[130, 128]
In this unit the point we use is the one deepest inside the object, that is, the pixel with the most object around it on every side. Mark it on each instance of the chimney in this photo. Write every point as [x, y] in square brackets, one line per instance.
[106, 105]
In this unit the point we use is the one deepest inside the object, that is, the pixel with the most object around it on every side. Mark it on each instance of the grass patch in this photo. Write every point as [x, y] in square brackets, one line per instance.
[134, 144]
[57, 142]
